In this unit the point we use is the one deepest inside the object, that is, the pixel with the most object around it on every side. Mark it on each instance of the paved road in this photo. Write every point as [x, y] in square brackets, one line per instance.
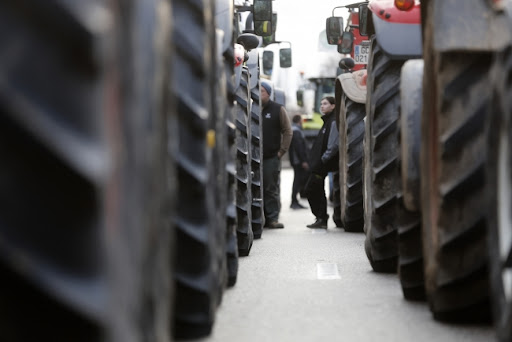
[303, 285]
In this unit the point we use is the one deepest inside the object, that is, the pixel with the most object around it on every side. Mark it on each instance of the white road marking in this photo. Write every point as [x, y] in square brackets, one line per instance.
[326, 270]
[318, 231]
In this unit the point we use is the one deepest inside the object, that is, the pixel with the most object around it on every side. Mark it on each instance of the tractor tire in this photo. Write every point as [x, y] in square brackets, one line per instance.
[244, 231]
[258, 217]
[217, 135]
[197, 269]
[351, 128]
[231, 211]
[455, 99]
[499, 159]
[380, 161]
[84, 172]
[410, 251]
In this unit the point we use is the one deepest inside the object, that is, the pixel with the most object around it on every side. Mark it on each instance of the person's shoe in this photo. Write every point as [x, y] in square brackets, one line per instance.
[338, 223]
[297, 205]
[274, 225]
[319, 223]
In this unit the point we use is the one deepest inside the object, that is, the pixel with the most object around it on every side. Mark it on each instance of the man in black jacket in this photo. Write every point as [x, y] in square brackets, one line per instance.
[298, 160]
[277, 135]
[323, 159]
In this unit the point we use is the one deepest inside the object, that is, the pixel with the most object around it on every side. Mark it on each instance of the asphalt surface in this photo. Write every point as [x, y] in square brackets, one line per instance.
[300, 284]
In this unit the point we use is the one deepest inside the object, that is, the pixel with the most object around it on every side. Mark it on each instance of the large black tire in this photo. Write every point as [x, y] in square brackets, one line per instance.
[197, 268]
[85, 229]
[244, 231]
[147, 173]
[499, 190]
[410, 251]
[410, 260]
[351, 128]
[231, 212]
[380, 160]
[218, 138]
[258, 217]
[455, 101]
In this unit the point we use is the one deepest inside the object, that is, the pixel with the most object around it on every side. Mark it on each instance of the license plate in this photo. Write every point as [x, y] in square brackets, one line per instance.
[361, 53]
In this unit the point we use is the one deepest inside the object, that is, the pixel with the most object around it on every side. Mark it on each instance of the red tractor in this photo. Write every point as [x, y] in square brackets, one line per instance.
[457, 135]
[437, 157]
[350, 90]
[395, 37]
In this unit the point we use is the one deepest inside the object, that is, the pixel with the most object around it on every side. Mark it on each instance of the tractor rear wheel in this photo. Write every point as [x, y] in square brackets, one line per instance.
[499, 190]
[245, 235]
[87, 180]
[380, 160]
[257, 215]
[231, 212]
[195, 64]
[217, 136]
[455, 101]
[351, 129]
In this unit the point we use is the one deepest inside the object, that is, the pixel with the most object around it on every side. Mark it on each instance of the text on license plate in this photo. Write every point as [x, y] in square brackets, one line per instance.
[361, 53]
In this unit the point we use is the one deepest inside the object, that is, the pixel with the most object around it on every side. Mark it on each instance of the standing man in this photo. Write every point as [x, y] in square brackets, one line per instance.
[299, 161]
[277, 135]
[323, 159]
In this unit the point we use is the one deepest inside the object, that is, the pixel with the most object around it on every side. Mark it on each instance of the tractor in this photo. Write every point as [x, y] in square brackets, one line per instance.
[350, 94]
[459, 187]
[449, 132]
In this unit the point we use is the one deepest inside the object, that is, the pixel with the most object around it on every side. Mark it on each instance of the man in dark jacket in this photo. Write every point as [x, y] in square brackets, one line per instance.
[298, 160]
[277, 135]
[323, 159]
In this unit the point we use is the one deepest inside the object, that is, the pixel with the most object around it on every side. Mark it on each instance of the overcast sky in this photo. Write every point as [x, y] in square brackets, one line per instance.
[301, 21]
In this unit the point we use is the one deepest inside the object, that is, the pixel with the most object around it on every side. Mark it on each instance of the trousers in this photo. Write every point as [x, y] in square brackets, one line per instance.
[271, 193]
[300, 176]
[315, 190]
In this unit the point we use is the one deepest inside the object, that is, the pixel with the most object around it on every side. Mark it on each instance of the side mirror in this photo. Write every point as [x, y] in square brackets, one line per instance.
[285, 57]
[333, 29]
[347, 42]
[300, 98]
[268, 62]
[262, 11]
[267, 40]
[363, 19]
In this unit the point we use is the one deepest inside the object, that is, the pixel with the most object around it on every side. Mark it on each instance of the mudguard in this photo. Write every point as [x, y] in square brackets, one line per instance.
[398, 32]
[399, 40]
[354, 85]
[411, 100]
[469, 25]
[224, 19]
